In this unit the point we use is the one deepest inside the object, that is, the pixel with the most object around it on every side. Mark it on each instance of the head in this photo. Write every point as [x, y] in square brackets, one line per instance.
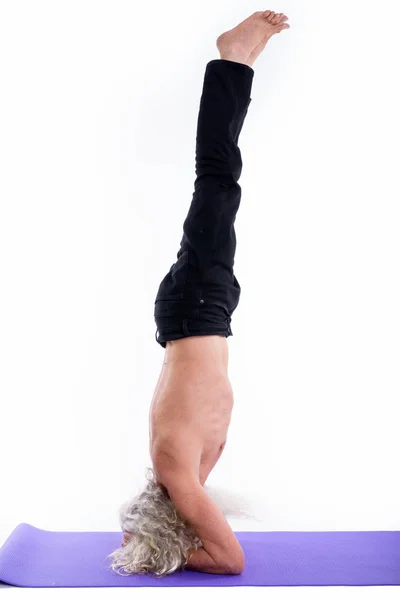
[159, 539]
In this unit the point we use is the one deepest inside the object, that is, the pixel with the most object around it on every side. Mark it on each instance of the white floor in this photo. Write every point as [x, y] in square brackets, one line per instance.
[251, 593]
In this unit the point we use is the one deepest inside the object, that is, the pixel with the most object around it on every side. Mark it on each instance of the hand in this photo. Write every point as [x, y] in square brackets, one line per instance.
[127, 538]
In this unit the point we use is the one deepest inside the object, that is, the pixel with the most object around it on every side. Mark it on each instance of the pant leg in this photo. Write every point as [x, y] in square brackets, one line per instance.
[201, 284]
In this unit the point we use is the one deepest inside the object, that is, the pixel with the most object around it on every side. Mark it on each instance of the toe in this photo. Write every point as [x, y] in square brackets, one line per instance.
[282, 26]
[276, 18]
[266, 13]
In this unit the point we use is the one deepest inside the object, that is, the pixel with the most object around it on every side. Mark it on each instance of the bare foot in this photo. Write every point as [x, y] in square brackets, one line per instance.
[245, 42]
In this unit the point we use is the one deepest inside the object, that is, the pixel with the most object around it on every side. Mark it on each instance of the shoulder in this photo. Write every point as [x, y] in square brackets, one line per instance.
[171, 466]
[176, 453]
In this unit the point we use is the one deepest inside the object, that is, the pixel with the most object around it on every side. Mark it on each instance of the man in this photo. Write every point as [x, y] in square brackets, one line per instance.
[174, 523]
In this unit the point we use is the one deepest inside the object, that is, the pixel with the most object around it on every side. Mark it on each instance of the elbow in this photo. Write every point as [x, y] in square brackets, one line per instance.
[236, 567]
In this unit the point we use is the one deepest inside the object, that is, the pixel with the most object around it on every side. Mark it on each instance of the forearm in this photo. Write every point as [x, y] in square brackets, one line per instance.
[200, 560]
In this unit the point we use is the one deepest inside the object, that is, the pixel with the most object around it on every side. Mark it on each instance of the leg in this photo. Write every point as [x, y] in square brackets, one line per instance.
[200, 287]
[200, 292]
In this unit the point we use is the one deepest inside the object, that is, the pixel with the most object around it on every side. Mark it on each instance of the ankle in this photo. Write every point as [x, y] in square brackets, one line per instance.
[234, 58]
[234, 52]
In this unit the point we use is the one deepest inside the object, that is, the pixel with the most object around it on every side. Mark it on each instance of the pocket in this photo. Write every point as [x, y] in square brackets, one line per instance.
[173, 285]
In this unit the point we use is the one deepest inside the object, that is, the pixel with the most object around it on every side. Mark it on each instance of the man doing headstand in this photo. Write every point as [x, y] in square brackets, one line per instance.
[174, 524]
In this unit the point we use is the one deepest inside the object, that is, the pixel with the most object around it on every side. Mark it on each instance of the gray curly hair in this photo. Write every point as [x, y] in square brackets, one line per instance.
[160, 538]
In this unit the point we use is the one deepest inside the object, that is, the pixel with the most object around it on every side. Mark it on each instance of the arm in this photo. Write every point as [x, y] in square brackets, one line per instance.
[200, 560]
[221, 552]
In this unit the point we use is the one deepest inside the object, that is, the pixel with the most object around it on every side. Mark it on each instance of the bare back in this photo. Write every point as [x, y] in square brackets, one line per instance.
[192, 404]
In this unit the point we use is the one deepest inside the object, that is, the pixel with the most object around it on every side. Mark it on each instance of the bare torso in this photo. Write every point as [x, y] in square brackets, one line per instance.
[191, 408]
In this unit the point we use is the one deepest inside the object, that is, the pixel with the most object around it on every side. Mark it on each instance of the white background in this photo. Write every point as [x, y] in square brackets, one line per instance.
[98, 114]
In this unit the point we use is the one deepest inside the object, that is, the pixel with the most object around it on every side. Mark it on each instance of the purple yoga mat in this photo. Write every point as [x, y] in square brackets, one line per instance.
[32, 557]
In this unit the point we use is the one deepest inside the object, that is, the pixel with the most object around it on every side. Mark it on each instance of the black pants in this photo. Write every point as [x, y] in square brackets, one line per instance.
[200, 292]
